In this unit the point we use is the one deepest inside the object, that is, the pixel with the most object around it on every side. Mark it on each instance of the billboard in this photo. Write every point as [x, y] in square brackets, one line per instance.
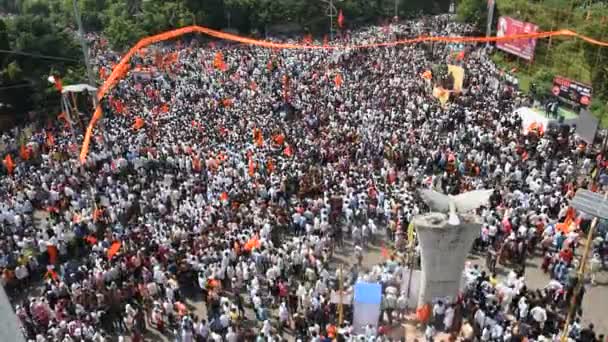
[572, 92]
[523, 48]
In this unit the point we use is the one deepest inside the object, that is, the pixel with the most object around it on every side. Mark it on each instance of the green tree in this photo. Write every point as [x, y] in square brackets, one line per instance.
[120, 29]
[473, 11]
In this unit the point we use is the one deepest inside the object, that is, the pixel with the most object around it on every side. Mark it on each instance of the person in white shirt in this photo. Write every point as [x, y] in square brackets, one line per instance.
[539, 314]
[523, 309]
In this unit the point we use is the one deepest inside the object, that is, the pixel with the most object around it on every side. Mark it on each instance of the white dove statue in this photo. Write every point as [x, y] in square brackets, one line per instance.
[452, 205]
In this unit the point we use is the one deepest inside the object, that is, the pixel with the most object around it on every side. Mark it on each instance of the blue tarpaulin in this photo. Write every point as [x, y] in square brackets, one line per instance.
[368, 293]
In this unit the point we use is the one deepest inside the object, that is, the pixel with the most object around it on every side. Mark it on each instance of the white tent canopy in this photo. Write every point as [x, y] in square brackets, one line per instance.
[78, 88]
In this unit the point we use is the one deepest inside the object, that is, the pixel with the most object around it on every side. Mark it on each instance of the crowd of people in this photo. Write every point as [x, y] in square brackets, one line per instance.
[233, 174]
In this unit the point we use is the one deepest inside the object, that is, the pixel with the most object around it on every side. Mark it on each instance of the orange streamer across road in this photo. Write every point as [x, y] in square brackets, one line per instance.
[121, 69]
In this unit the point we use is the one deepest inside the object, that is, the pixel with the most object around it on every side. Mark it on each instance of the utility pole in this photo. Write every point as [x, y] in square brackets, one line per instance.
[592, 204]
[331, 12]
[491, 5]
[341, 294]
[85, 49]
[396, 17]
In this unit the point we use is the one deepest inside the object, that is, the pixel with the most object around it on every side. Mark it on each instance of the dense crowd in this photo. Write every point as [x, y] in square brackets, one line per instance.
[235, 173]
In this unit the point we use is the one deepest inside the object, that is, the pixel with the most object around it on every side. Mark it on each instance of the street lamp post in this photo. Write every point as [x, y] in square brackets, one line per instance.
[396, 10]
[331, 12]
[85, 50]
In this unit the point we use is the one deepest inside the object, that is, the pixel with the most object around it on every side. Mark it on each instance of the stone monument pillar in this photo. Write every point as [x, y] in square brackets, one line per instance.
[444, 248]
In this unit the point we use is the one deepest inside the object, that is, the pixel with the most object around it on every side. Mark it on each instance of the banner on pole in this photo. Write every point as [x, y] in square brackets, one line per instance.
[523, 48]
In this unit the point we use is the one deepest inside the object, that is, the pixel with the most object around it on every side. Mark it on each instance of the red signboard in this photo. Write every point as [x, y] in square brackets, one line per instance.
[523, 48]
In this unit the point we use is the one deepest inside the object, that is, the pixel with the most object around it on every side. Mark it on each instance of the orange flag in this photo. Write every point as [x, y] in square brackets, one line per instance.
[427, 75]
[258, 138]
[278, 139]
[218, 61]
[91, 239]
[288, 151]
[113, 249]
[227, 102]
[164, 108]
[423, 313]
[52, 251]
[307, 39]
[338, 80]
[9, 164]
[51, 274]
[270, 165]
[251, 167]
[139, 123]
[340, 19]
[224, 196]
[24, 152]
[196, 164]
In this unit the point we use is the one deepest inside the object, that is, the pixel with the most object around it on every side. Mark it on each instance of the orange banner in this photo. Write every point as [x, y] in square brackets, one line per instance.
[121, 69]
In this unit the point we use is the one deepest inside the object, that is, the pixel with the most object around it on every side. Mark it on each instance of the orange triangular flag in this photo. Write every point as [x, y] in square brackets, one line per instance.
[278, 139]
[113, 249]
[288, 151]
[224, 196]
[139, 123]
[9, 164]
[164, 108]
[338, 80]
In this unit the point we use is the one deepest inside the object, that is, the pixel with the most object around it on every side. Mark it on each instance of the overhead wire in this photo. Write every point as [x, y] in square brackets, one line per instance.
[37, 55]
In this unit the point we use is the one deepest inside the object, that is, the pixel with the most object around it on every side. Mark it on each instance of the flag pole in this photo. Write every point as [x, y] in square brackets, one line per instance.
[340, 305]
[581, 276]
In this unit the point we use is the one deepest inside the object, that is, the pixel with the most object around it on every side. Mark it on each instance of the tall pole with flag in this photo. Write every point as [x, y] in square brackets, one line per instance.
[491, 5]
